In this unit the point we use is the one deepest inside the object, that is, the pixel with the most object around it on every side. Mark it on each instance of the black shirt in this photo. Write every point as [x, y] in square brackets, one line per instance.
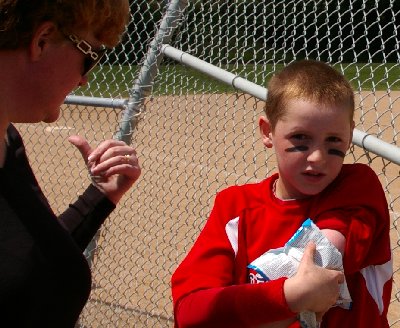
[44, 278]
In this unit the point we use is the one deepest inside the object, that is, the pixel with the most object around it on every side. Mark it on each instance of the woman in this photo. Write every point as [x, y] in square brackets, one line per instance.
[47, 48]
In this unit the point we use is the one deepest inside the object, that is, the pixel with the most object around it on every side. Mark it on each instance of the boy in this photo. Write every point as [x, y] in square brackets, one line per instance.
[309, 122]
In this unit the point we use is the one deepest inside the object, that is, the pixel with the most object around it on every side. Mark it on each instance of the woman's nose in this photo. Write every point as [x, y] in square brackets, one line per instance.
[83, 81]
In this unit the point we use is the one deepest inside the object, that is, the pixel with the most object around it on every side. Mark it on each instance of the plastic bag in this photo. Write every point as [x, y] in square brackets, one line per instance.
[284, 261]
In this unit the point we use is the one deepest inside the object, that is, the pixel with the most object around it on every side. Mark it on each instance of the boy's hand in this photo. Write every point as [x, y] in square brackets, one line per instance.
[312, 288]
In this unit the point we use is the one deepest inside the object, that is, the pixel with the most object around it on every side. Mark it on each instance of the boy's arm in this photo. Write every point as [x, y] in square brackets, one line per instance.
[205, 289]
[311, 289]
[356, 206]
[336, 238]
[235, 306]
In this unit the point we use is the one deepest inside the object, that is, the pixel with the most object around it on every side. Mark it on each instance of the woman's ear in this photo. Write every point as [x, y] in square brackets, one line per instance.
[44, 35]
[265, 131]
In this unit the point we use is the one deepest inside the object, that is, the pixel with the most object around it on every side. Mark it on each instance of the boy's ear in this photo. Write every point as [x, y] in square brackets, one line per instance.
[41, 38]
[265, 131]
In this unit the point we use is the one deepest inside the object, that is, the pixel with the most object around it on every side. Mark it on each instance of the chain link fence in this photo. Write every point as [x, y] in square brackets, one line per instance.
[196, 134]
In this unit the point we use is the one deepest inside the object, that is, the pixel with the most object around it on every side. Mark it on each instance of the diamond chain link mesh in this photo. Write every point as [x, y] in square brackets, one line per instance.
[197, 135]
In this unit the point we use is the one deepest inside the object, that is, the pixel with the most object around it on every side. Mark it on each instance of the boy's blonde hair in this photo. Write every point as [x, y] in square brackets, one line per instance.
[19, 19]
[307, 80]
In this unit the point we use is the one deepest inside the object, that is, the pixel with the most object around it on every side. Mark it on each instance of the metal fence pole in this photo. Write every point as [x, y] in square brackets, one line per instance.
[94, 101]
[149, 70]
[143, 86]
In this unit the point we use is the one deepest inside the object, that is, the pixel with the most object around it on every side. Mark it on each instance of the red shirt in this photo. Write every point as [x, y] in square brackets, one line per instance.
[211, 287]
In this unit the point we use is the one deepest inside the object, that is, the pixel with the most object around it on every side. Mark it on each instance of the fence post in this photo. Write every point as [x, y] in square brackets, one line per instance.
[149, 70]
[143, 86]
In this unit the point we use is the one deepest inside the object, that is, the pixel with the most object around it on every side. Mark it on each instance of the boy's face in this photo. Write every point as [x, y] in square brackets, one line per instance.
[310, 144]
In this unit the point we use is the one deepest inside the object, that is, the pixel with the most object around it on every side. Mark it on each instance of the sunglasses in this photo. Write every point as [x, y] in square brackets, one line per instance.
[92, 57]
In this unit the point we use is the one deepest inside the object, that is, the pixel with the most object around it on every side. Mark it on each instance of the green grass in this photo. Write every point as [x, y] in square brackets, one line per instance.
[373, 76]
[111, 81]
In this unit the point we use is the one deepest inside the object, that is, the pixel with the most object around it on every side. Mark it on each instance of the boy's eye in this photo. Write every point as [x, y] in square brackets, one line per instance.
[299, 137]
[299, 142]
[334, 139]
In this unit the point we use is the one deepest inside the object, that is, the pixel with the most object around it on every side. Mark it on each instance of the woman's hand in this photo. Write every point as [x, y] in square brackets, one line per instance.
[113, 165]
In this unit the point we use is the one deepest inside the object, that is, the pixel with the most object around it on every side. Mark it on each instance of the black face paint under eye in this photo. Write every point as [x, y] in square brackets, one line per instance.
[296, 148]
[336, 152]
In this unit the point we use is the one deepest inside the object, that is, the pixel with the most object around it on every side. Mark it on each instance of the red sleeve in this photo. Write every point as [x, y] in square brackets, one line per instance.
[234, 306]
[203, 289]
[356, 206]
